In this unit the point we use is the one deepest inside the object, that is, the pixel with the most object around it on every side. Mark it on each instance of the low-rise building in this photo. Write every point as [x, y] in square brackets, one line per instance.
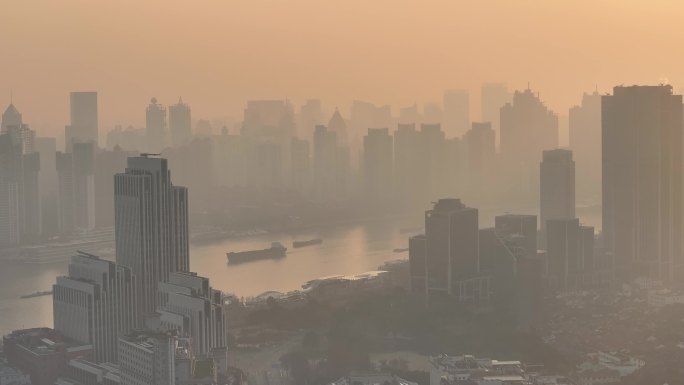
[43, 353]
[371, 379]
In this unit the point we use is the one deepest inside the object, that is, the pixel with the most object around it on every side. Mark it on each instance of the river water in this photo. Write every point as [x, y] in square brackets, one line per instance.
[346, 249]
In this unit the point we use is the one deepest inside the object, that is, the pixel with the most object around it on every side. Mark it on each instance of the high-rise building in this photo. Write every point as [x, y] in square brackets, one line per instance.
[301, 165]
[569, 253]
[107, 163]
[151, 226]
[11, 117]
[585, 143]
[493, 96]
[377, 164]
[76, 180]
[48, 186]
[451, 247]
[147, 358]
[557, 186]
[434, 150]
[642, 181]
[325, 163]
[95, 303]
[180, 123]
[155, 126]
[527, 129]
[432, 113]
[10, 191]
[409, 170]
[84, 120]
[456, 116]
[480, 144]
[310, 116]
[193, 309]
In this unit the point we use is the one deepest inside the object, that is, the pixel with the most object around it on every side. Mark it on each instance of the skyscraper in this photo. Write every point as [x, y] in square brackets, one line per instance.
[11, 117]
[493, 96]
[527, 129]
[642, 180]
[180, 123]
[84, 119]
[377, 164]
[76, 180]
[10, 191]
[155, 126]
[409, 176]
[95, 303]
[325, 163]
[557, 186]
[585, 143]
[456, 116]
[480, 144]
[151, 226]
[451, 248]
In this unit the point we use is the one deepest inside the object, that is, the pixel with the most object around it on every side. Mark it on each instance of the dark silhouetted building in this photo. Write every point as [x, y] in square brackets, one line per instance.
[84, 119]
[642, 180]
[493, 96]
[569, 253]
[557, 186]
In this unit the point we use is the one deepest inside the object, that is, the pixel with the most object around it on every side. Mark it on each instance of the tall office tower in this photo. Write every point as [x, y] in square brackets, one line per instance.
[519, 224]
[83, 156]
[107, 163]
[642, 180]
[325, 163]
[76, 180]
[10, 191]
[185, 161]
[155, 126]
[433, 149]
[338, 126]
[527, 129]
[194, 310]
[432, 113]
[47, 180]
[180, 123]
[585, 143]
[493, 96]
[480, 144]
[95, 303]
[456, 117]
[11, 117]
[363, 115]
[569, 253]
[310, 116]
[377, 164]
[451, 248]
[147, 358]
[268, 118]
[31, 212]
[151, 226]
[409, 175]
[84, 121]
[557, 186]
[409, 115]
[301, 166]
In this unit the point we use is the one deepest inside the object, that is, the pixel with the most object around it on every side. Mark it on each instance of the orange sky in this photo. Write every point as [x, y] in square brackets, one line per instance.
[216, 54]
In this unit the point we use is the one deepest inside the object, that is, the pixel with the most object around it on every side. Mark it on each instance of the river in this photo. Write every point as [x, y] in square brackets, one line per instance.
[346, 249]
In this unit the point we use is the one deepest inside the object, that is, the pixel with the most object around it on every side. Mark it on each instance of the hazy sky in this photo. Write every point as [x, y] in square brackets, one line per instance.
[218, 53]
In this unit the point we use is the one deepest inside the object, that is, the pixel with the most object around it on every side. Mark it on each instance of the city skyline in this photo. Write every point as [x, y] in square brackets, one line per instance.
[229, 71]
